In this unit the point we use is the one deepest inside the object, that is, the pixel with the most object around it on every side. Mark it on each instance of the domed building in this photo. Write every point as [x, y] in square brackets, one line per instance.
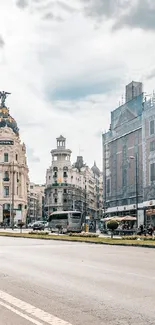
[13, 169]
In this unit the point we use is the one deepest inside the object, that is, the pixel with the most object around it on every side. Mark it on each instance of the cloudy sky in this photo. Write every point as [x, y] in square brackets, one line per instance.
[66, 63]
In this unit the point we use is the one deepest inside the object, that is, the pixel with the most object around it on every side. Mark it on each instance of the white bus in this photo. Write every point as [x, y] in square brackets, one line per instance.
[69, 221]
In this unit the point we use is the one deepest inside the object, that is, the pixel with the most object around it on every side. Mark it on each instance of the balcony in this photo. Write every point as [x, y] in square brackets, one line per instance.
[6, 179]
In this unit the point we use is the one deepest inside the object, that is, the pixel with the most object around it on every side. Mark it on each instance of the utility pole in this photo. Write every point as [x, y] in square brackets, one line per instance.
[48, 206]
[136, 171]
[12, 205]
[85, 200]
[136, 183]
[105, 178]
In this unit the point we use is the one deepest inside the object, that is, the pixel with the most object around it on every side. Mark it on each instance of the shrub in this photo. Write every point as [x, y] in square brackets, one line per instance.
[136, 237]
[112, 225]
[84, 234]
[41, 233]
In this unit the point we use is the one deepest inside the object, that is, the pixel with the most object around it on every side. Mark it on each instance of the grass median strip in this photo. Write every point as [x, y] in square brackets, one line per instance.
[97, 240]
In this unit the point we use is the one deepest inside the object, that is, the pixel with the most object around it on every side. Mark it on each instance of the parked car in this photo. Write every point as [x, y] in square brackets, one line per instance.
[30, 225]
[45, 223]
[38, 226]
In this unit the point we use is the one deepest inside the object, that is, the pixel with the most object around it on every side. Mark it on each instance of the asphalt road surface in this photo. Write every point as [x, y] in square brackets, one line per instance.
[60, 283]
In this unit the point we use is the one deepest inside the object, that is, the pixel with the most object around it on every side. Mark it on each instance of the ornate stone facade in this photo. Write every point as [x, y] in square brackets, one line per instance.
[13, 171]
[72, 187]
[35, 202]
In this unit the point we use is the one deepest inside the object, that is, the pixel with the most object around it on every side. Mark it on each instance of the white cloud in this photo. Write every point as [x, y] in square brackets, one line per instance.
[66, 74]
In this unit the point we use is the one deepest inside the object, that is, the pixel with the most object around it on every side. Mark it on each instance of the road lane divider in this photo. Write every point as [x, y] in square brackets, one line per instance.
[17, 312]
[31, 310]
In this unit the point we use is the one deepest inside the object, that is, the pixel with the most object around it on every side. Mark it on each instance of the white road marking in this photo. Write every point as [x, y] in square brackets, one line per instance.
[15, 311]
[31, 310]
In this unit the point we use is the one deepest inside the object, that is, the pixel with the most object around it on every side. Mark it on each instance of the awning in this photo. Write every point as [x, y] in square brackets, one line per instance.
[129, 218]
[119, 219]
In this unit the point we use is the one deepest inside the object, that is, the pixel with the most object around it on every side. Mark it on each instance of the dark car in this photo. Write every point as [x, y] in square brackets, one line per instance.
[38, 226]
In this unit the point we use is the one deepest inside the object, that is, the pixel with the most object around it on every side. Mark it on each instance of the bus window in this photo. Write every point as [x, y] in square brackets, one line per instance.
[63, 216]
[76, 215]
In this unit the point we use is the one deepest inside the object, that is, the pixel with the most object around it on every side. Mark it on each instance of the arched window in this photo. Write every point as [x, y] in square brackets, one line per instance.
[55, 174]
[20, 207]
[65, 170]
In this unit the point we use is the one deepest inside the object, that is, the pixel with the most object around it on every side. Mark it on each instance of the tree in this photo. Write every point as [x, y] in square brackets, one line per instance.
[112, 225]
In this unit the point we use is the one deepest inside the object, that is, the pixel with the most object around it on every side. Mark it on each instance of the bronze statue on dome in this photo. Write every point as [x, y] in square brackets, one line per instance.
[3, 96]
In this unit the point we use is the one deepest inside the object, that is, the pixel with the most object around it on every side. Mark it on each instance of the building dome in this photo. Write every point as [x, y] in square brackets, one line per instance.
[7, 120]
[95, 169]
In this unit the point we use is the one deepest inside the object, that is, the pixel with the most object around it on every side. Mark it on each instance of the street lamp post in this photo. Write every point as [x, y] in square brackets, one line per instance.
[136, 183]
[12, 201]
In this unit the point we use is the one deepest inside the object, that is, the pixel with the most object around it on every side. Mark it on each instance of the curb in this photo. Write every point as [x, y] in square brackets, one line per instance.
[77, 241]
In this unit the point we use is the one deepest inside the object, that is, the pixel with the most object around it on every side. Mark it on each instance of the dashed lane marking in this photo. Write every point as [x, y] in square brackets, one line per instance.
[30, 310]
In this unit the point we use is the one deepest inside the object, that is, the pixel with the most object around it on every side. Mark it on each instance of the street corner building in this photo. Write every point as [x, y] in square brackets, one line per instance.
[72, 186]
[129, 158]
[13, 169]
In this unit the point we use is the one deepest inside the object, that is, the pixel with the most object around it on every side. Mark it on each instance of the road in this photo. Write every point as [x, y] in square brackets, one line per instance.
[49, 282]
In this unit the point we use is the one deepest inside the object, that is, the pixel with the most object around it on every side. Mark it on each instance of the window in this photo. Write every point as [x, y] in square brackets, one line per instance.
[55, 190]
[124, 177]
[55, 174]
[124, 201]
[65, 174]
[61, 216]
[152, 127]
[6, 176]
[31, 187]
[152, 145]
[6, 206]
[6, 157]
[17, 190]
[65, 191]
[76, 215]
[108, 186]
[65, 200]
[6, 190]
[152, 172]
[55, 200]
[49, 177]
[55, 169]
[16, 157]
